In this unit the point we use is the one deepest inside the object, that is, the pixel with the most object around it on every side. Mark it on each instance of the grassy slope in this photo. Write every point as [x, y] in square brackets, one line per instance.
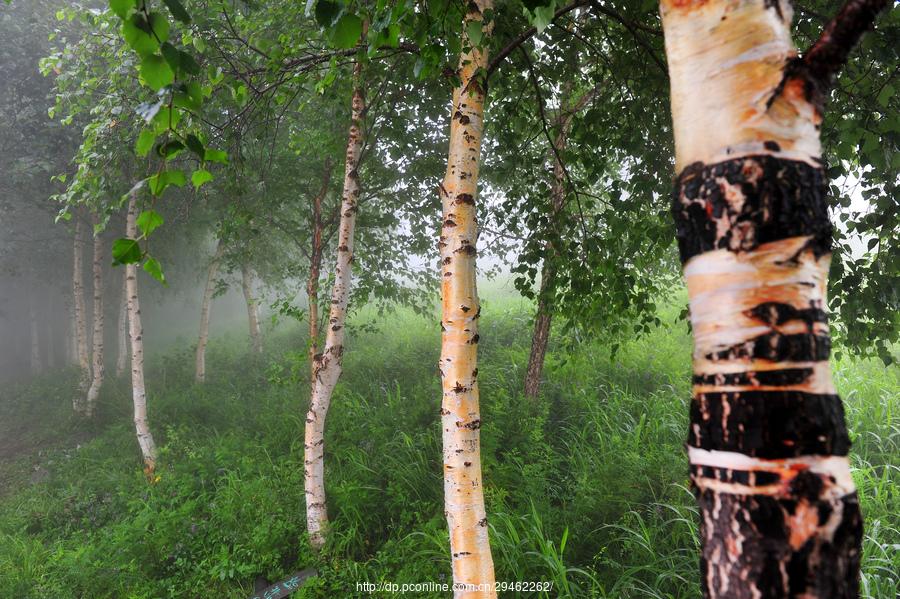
[587, 488]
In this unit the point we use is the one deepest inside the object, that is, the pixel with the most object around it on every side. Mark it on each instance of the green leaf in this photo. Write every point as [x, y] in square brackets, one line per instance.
[154, 269]
[156, 72]
[145, 35]
[126, 251]
[121, 7]
[347, 31]
[200, 177]
[145, 142]
[219, 156]
[170, 148]
[327, 12]
[474, 32]
[543, 16]
[158, 183]
[178, 11]
[148, 221]
[196, 146]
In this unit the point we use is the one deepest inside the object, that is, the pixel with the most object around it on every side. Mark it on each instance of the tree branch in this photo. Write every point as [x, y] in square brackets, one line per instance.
[828, 55]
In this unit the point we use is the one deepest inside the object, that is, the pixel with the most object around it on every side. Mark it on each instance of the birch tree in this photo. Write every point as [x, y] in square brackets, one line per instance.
[460, 309]
[122, 330]
[205, 306]
[136, 335]
[97, 366]
[247, 280]
[328, 365]
[768, 443]
[81, 338]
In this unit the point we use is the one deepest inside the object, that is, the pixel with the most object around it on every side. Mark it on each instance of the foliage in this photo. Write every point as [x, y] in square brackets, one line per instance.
[586, 489]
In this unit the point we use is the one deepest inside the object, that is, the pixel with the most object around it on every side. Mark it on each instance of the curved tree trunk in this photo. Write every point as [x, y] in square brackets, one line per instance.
[136, 334]
[205, 304]
[97, 354]
[327, 366]
[81, 341]
[122, 330]
[252, 309]
[768, 445]
[460, 418]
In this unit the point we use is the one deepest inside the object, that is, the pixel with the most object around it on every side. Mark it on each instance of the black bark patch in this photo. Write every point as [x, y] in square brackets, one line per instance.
[768, 378]
[769, 424]
[777, 347]
[760, 199]
[767, 565]
[776, 313]
[465, 198]
[753, 478]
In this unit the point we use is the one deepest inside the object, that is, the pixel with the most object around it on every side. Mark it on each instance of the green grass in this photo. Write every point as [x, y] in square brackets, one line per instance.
[586, 488]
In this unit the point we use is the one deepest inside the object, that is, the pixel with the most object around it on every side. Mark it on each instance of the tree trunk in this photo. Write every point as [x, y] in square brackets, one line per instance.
[252, 309]
[203, 339]
[327, 366]
[460, 418]
[315, 270]
[136, 334]
[97, 362]
[81, 341]
[768, 444]
[542, 320]
[122, 330]
[37, 365]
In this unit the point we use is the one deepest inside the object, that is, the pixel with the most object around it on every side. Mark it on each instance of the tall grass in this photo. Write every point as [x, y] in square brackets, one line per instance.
[586, 488]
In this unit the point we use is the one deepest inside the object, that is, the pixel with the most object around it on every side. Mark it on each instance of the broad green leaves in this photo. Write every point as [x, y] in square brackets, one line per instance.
[156, 72]
[347, 31]
[178, 11]
[148, 221]
[160, 181]
[126, 251]
[143, 34]
[200, 177]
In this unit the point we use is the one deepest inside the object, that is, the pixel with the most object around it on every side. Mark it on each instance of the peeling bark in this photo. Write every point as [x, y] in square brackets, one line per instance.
[203, 339]
[97, 352]
[122, 331]
[136, 334]
[252, 309]
[327, 365]
[768, 444]
[81, 340]
[460, 418]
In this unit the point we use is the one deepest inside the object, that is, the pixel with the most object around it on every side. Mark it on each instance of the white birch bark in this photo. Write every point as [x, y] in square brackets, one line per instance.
[136, 334]
[205, 306]
[327, 368]
[252, 309]
[97, 366]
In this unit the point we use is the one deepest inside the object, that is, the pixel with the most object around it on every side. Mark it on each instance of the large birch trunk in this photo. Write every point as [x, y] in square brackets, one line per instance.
[473, 568]
[122, 330]
[81, 340]
[252, 308]
[97, 353]
[136, 334]
[768, 444]
[327, 366]
[205, 305]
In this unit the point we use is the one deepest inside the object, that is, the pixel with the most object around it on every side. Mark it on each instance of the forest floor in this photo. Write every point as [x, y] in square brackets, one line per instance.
[585, 488]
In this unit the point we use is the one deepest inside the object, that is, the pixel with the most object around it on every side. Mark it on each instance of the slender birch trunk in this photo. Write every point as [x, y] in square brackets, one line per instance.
[315, 270]
[122, 331]
[97, 354]
[473, 567]
[81, 340]
[37, 365]
[768, 444]
[71, 341]
[247, 278]
[136, 334]
[542, 320]
[208, 290]
[328, 365]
